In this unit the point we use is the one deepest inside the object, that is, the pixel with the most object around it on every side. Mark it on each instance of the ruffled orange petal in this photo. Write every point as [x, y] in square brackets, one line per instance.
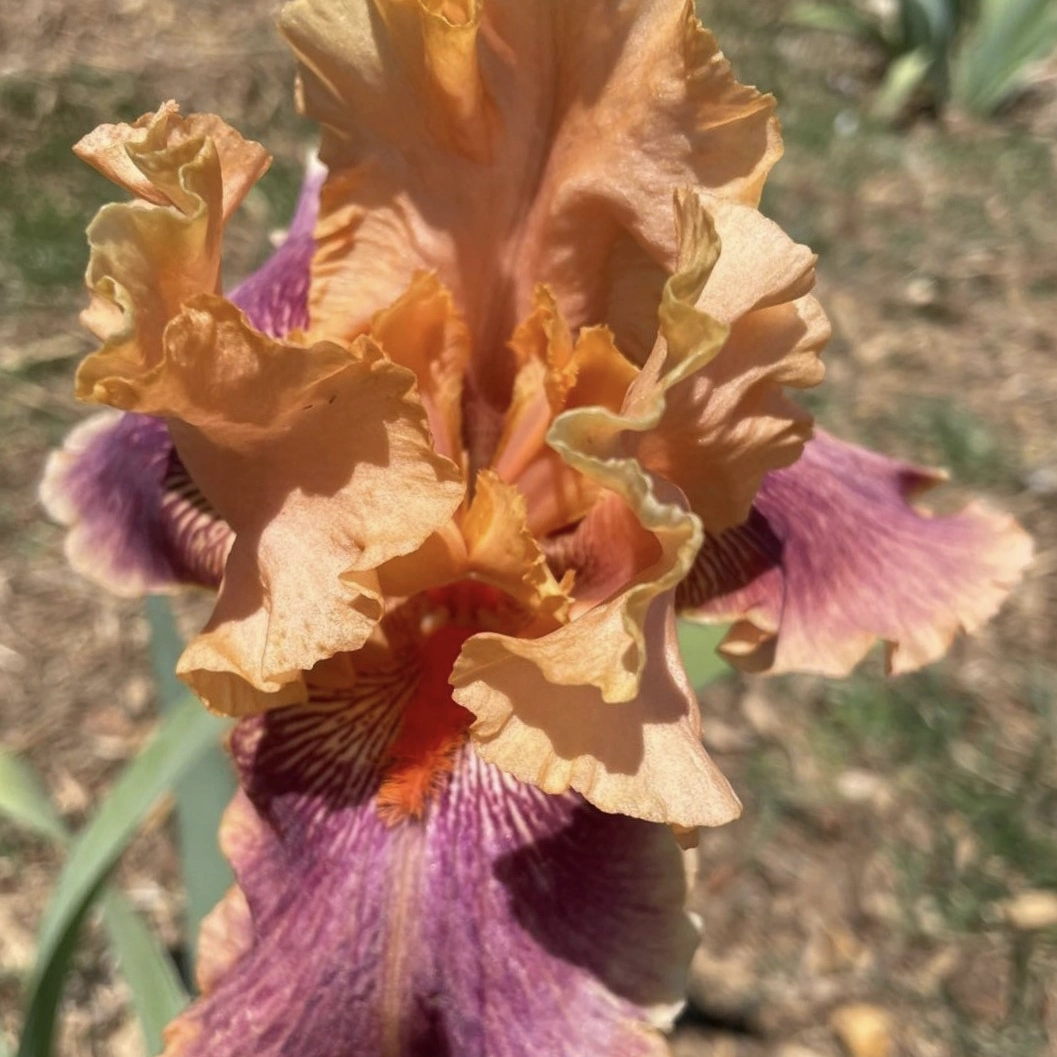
[729, 424]
[320, 460]
[554, 373]
[140, 157]
[504, 143]
[423, 332]
[641, 758]
[502, 551]
[147, 260]
[707, 411]
[598, 704]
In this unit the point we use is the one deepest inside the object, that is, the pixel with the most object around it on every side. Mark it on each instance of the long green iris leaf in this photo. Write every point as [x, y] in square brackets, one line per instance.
[202, 794]
[186, 732]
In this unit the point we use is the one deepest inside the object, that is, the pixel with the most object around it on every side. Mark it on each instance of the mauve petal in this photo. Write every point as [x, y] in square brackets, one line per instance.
[137, 523]
[834, 557]
[507, 923]
[275, 297]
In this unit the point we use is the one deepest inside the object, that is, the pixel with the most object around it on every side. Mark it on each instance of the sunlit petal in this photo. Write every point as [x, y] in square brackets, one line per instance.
[507, 143]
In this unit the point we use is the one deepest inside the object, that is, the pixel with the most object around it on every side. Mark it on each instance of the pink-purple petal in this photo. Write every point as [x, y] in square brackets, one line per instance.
[507, 923]
[835, 557]
[275, 297]
[136, 521]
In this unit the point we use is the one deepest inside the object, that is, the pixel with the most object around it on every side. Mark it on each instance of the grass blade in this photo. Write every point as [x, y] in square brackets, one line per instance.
[24, 799]
[49, 978]
[1006, 38]
[202, 795]
[183, 736]
[157, 993]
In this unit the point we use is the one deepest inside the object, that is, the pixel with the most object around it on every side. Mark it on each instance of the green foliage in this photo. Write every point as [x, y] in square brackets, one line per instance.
[202, 794]
[975, 53]
[1006, 38]
[697, 643]
[184, 755]
[157, 992]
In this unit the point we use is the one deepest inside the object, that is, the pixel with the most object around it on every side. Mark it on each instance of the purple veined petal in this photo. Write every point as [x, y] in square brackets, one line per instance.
[506, 923]
[275, 297]
[834, 557]
[136, 521]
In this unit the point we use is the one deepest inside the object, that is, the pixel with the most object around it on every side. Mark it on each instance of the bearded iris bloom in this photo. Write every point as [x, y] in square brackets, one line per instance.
[508, 399]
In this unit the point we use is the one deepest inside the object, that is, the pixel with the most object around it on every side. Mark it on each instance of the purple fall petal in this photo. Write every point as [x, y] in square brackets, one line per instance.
[507, 923]
[834, 557]
[137, 523]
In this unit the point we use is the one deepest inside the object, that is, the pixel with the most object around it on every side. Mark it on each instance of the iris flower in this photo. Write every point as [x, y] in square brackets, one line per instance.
[507, 400]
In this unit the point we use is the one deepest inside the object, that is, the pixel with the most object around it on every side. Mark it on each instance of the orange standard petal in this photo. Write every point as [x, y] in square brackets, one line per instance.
[508, 143]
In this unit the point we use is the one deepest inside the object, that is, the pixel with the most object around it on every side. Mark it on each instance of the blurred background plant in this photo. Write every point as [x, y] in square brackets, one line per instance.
[972, 54]
[183, 759]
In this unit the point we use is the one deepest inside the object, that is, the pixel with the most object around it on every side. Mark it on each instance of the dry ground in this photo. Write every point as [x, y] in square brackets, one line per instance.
[888, 825]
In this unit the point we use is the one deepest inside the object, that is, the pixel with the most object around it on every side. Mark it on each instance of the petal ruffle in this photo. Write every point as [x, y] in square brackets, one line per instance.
[452, 935]
[504, 143]
[136, 521]
[602, 705]
[150, 256]
[834, 557]
[320, 460]
[735, 329]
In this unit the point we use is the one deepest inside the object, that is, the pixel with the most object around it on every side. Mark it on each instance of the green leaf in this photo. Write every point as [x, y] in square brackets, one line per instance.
[157, 993]
[835, 18]
[903, 78]
[24, 799]
[38, 1028]
[1007, 37]
[202, 795]
[697, 643]
[183, 736]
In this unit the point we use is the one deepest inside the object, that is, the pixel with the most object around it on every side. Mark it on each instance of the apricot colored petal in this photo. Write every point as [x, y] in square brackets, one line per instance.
[150, 256]
[505, 143]
[502, 551]
[422, 331]
[506, 923]
[555, 372]
[543, 347]
[602, 704]
[320, 460]
[834, 557]
[136, 521]
[146, 157]
[642, 758]
[725, 421]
